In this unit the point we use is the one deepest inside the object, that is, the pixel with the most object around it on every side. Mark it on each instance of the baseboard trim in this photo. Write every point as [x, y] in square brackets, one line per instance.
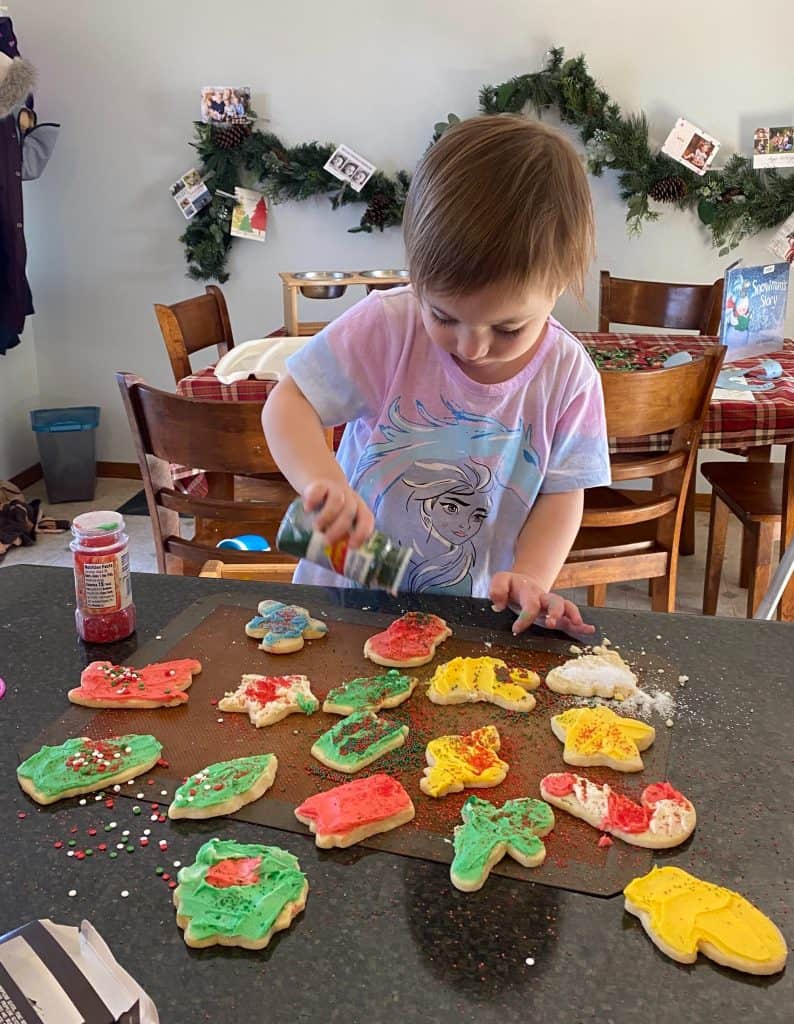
[119, 470]
[28, 476]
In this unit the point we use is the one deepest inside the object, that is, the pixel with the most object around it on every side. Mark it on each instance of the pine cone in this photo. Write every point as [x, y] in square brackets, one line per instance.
[669, 189]
[230, 136]
[377, 211]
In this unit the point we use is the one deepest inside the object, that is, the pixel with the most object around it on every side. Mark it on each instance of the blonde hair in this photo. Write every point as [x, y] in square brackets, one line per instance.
[499, 199]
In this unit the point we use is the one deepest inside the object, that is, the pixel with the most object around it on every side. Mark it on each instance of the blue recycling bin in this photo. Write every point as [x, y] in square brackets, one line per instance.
[67, 451]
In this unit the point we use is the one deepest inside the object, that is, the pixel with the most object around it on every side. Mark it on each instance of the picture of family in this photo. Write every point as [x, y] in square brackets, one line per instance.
[224, 104]
[348, 166]
[691, 146]
[773, 147]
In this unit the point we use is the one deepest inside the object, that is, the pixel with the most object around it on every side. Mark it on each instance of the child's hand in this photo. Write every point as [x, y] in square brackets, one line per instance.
[340, 511]
[517, 589]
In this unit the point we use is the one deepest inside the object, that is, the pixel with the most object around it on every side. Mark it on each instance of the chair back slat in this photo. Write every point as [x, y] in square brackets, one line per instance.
[192, 325]
[680, 307]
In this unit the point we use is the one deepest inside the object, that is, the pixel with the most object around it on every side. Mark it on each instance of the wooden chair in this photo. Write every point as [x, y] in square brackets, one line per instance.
[680, 307]
[632, 535]
[753, 492]
[192, 325]
[223, 438]
[276, 573]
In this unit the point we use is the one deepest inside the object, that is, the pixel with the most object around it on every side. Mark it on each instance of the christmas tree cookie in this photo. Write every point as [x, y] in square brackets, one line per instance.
[162, 685]
[268, 699]
[663, 818]
[465, 680]
[370, 694]
[684, 916]
[237, 894]
[458, 762]
[82, 765]
[489, 832]
[357, 741]
[225, 787]
[283, 628]
[409, 641]
[356, 810]
[597, 736]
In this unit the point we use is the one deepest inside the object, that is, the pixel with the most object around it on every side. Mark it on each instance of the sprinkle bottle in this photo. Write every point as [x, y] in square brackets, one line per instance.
[105, 612]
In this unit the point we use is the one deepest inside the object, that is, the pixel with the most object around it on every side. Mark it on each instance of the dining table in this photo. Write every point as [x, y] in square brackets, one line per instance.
[386, 937]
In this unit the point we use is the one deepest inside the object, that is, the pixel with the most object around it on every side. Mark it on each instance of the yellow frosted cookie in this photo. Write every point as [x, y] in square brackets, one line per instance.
[597, 736]
[459, 762]
[464, 680]
[684, 915]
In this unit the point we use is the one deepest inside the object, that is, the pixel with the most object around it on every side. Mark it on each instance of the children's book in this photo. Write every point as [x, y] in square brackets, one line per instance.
[754, 310]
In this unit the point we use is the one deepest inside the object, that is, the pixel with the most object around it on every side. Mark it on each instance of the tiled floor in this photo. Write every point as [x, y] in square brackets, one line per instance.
[53, 549]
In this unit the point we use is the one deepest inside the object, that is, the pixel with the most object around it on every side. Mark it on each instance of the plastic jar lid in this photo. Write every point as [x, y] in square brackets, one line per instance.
[95, 524]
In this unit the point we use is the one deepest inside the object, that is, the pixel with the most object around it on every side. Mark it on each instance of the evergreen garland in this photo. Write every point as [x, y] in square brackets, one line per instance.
[733, 203]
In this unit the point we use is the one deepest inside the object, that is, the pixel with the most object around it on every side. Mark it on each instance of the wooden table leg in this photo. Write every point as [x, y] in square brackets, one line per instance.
[290, 309]
[786, 610]
[761, 453]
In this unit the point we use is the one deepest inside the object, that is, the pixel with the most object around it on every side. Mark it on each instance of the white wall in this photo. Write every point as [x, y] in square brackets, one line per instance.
[124, 79]
[19, 392]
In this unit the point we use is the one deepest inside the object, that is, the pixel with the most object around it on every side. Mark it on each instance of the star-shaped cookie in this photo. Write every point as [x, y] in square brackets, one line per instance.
[457, 762]
[283, 628]
[489, 832]
[268, 699]
[597, 736]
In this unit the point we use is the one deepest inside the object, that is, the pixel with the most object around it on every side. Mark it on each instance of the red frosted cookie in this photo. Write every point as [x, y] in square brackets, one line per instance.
[349, 813]
[162, 685]
[409, 641]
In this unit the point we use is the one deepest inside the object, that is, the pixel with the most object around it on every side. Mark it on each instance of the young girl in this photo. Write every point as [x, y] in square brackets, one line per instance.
[474, 419]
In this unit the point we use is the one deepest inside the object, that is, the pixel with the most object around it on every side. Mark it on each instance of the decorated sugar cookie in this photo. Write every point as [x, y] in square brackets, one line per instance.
[602, 674]
[162, 685]
[237, 894]
[409, 641]
[356, 810]
[268, 699]
[597, 736]
[283, 628]
[357, 741]
[225, 787]
[489, 832]
[465, 680]
[458, 762]
[81, 765]
[370, 694]
[684, 915]
[663, 818]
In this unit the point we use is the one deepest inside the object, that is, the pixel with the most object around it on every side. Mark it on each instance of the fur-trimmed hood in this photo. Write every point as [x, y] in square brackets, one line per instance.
[17, 80]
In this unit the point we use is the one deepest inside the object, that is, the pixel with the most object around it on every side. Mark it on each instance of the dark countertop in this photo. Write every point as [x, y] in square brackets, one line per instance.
[386, 938]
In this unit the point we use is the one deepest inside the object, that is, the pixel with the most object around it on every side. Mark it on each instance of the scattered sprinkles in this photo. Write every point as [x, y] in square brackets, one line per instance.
[72, 892]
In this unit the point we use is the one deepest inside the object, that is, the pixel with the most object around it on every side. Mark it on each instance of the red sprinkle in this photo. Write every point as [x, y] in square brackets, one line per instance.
[22, 814]
[161, 817]
[79, 854]
[604, 842]
[155, 806]
[150, 782]
[58, 844]
[92, 831]
[162, 763]
[218, 786]
[109, 804]
[172, 885]
[214, 702]
[166, 876]
[73, 829]
[143, 841]
[102, 847]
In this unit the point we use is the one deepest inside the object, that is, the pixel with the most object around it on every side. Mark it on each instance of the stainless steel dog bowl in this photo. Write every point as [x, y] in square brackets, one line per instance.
[323, 283]
[375, 276]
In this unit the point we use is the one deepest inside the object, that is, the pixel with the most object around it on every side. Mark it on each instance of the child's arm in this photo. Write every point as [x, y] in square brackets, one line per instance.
[297, 442]
[541, 549]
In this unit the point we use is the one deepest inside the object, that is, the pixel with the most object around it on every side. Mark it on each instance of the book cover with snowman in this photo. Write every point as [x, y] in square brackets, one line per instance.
[754, 310]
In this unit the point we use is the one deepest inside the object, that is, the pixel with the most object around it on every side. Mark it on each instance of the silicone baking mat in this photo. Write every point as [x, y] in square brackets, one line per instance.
[197, 734]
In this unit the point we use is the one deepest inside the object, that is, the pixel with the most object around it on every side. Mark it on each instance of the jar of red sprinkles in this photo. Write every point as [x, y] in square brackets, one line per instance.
[105, 611]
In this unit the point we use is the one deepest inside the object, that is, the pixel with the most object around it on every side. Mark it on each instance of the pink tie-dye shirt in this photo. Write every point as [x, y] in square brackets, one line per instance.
[448, 465]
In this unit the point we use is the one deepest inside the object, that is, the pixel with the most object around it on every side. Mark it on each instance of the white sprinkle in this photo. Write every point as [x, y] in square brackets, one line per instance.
[113, 824]
[117, 789]
[119, 846]
[82, 803]
[126, 832]
[128, 750]
[163, 792]
[660, 671]
[669, 723]
[208, 786]
[488, 644]
[147, 831]
[99, 796]
[529, 961]
[70, 853]
[189, 800]
[152, 817]
[294, 732]
[683, 679]
[158, 637]
[658, 636]
[124, 894]
[220, 719]
[177, 863]
[72, 892]
[130, 781]
[139, 796]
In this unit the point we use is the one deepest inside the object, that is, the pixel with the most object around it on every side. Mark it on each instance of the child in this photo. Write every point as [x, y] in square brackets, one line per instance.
[474, 420]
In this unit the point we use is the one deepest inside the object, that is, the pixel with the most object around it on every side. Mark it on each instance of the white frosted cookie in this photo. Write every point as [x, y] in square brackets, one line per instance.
[664, 817]
[467, 680]
[268, 699]
[283, 628]
[604, 674]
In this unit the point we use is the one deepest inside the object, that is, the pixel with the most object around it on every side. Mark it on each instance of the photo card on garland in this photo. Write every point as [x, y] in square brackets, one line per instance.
[350, 167]
[691, 146]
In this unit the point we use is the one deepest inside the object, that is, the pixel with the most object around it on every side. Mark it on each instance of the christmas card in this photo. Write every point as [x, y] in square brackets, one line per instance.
[224, 104]
[249, 217]
[190, 193]
[782, 244]
[691, 146]
[773, 147]
[350, 167]
[754, 310]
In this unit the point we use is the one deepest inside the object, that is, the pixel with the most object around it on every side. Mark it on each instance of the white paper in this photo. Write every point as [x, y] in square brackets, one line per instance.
[348, 166]
[691, 146]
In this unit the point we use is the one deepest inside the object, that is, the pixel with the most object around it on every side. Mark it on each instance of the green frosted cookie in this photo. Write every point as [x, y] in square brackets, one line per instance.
[370, 693]
[357, 741]
[225, 787]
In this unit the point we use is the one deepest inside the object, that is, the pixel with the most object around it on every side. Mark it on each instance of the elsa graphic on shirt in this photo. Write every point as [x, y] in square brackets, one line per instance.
[453, 474]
